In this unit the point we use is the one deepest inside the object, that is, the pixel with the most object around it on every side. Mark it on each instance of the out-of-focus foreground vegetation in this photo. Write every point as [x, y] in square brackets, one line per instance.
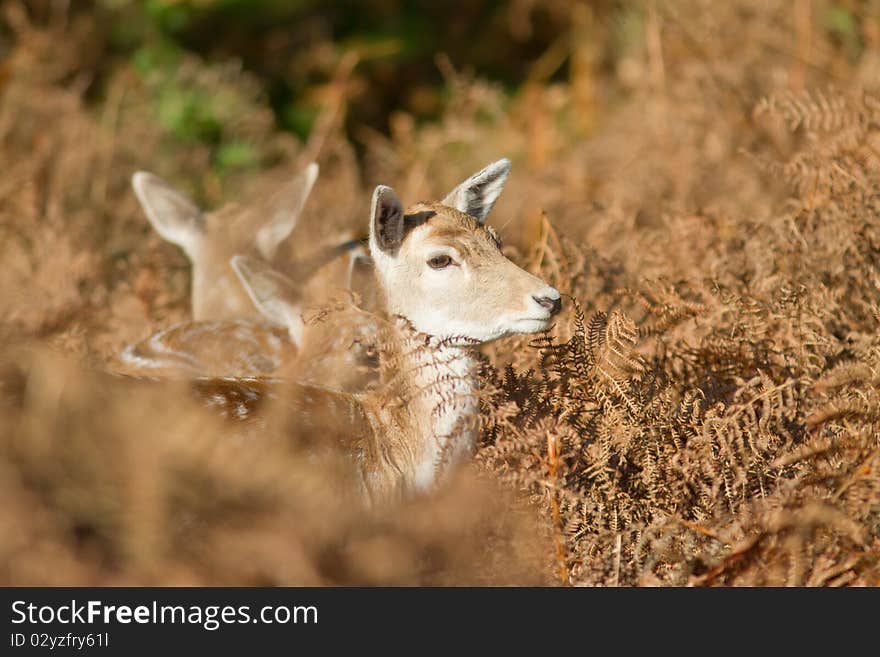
[703, 178]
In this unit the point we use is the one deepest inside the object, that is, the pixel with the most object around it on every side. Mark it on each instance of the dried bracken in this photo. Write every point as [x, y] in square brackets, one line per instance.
[705, 412]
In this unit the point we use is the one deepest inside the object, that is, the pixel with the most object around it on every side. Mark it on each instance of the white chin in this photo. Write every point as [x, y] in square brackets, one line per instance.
[530, 325]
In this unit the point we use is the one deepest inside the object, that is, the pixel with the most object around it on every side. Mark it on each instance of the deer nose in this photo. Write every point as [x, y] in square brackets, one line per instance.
[551, 304]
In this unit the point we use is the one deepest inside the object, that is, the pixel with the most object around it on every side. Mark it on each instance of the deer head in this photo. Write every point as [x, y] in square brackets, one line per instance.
[442, 268]
[211, 239]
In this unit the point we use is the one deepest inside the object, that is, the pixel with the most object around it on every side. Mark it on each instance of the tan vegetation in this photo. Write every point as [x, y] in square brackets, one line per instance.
[705, 412]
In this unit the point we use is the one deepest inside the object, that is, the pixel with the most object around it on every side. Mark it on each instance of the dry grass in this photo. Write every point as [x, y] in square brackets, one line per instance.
[707, 413]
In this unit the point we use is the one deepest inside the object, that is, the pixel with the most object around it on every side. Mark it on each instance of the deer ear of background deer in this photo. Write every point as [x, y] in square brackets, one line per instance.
[284, 211]
[386, 221]
[476, 195]
[273, 294]
[173, 214]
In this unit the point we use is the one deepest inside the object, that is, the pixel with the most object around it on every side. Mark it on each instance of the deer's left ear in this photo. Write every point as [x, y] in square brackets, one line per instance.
[386, 221]
[476, 195]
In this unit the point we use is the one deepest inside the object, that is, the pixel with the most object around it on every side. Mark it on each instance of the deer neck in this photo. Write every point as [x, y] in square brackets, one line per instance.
[441, 408]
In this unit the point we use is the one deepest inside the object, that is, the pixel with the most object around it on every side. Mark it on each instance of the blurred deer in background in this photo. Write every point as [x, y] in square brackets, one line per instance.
[228, 336]
[450, 289]
[211, 239]
[276, 343]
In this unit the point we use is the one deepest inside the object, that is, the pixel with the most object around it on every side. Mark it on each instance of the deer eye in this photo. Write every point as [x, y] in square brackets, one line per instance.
[439, 261]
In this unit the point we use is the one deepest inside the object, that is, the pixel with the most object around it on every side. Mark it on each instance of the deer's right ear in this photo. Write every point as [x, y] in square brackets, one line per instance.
[386, 220]
[173, 214]
[476, 195]
[284, 211]
[273, 294]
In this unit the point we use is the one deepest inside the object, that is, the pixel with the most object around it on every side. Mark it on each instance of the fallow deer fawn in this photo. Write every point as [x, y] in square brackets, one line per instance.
[269, 345]
[227, 337]
[446, 280]
[211, 239]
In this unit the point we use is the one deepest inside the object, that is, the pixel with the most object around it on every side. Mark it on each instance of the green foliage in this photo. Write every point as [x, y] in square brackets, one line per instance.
[842, 23]
[189, 115]
[294, 48]
[236, 155]
[159, 57]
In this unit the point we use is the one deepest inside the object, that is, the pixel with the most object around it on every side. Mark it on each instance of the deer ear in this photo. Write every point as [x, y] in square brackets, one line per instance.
[284, 210]
[273, 294]
[386, 221]
[173, 214]
[476, 195]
